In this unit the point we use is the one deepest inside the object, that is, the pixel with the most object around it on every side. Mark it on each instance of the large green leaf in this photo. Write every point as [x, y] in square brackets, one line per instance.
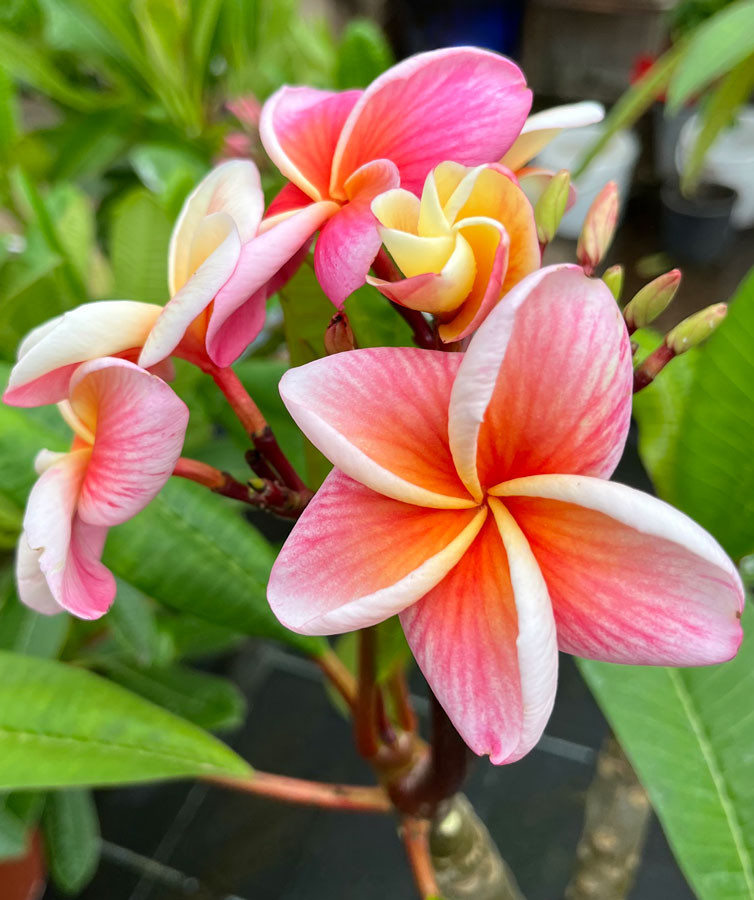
[363, 54]
[714, 474]
[689, 734]
[71, 832]
[194, 552]
[139, 238]
[64, 727]
[12, 832]
[713, 50]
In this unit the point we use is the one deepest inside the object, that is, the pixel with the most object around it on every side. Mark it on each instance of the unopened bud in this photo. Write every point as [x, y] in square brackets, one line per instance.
[613, 278]
[338, 335]
[651, 300]
[549, 209]
[697, 328]
[599, 228]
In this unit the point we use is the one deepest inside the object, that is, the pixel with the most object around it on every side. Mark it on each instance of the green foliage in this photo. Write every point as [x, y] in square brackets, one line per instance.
[139, 239]
[363, 54]
[71, 835]
[13, 833]
[688, 733]
[64, 727]
[134, 626]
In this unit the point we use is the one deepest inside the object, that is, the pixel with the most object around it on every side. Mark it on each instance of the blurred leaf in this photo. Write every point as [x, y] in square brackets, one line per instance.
[714, 458]
[717, 113]
[12, 832]
[206, 700]
[133, 624]
[85, 146]
[64, 727]
[713, 50]
[72, 216]
[24, 631]
[11, 519]
[206, 15]
[374, 321]
[71, 834]
[34, 297]
[688, 734]
[195, 553]
[8, 117]
[167, 169]
[659, 410]
[194, 638]
[139, 239]
[363, 54]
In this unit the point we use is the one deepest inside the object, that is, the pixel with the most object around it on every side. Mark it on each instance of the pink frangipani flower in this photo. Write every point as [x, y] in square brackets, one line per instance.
[223, 264]
[129, 428]
[470, 496]
[460, 104]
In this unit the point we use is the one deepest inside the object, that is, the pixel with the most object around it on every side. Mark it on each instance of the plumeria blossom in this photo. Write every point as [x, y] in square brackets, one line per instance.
[465, 244]
[223, 264]
[539, 129]
[470, 497]
[345, 148]
[50, 354]
[129, 428]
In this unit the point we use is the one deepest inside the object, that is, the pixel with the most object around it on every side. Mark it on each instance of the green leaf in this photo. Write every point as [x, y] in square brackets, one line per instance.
[206, 700]
[139, 239]
[12, 832]
[8, 117]
[374, 321]
[659, 410]
[71, 833]
[714, 459]
[363, 54]
[194, 638]
[717, 114]
[713, 50]
[25, 631]
[193, 551]
[34, 297]
[64, 727]
[689, 733]
[72, 216]
[133, 624]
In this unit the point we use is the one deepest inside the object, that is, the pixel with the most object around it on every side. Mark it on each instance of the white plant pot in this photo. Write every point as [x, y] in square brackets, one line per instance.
[729, 161]
[615, 163]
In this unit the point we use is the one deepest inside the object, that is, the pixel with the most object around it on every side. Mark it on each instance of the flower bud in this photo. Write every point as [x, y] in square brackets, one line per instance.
[550, 207]
[613, 278]
[697, 328]
[599, 228]
[338, 335]
[651, 300]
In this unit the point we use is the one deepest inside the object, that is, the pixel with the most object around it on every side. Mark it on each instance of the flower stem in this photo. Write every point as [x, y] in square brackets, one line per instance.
[404, 709]
[415, 834]
[367, 702]
[646, 372]
[349, 797]
[339, 676]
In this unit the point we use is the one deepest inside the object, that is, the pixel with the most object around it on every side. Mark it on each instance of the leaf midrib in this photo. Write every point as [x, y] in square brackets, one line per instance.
[718, 779]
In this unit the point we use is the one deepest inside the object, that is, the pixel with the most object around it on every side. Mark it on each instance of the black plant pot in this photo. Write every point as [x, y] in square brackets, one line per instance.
[697, 229]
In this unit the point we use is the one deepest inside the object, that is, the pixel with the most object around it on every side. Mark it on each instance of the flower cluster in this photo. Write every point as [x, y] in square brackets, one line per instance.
[470, 493]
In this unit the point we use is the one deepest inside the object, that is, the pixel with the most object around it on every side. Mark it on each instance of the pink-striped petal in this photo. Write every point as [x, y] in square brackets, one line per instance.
[542, 127]
[632, 579]
[233, 190]
[50, 354]
[260, 260]
[460, 104]
[545, 385]
[349, 242]
[485, 640]
[355, 557]
[88, 586]
[138, 424]
[380, 415]
[299, 128]
[289, 199]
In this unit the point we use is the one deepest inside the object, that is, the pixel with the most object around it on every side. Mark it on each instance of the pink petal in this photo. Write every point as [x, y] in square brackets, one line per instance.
[49, 355]
[88, 586]
[485, 640]
[290, 199]
[542, 127]
[460, 104]
[139, 424]
[380, 415]
[232, 189]
[545, 385]
[349, 242]
[632, 580]
[355, 557]
[194, 296]
[260, 260]
[299, 128]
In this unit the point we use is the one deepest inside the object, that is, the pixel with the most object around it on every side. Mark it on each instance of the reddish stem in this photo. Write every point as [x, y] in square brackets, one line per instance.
[367, 701]
[354, 798]
[646, 373]
[339, 676]
[415, 833]
[248, 413]
[402, 701]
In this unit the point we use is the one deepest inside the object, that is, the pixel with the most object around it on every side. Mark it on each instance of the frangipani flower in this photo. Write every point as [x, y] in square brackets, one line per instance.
[465, 244]
[470, 497]
[129, 428]
[223, 264]
[50, 354]
[460, 103]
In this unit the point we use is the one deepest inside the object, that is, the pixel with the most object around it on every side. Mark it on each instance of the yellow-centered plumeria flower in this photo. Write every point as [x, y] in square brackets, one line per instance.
[470, 238]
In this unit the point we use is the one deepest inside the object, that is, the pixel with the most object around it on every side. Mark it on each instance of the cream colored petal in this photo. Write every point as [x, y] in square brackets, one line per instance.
[397, 209]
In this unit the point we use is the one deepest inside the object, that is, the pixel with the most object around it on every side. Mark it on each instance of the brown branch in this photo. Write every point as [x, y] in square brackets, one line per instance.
[367, 700]
[646, 372]
[415, 834]
[398, 688]
[354, 798]
[341, 679]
